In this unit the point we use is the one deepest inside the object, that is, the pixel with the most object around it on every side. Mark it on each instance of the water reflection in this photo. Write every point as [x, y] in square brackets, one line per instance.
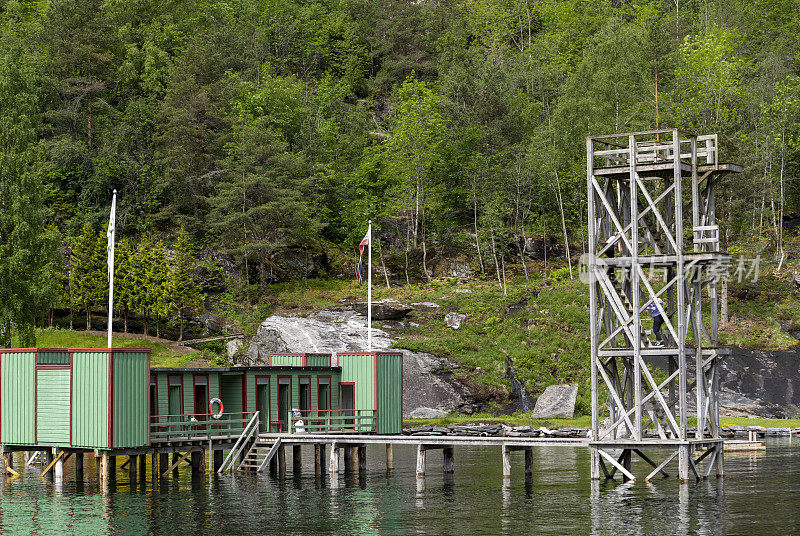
[559, 499]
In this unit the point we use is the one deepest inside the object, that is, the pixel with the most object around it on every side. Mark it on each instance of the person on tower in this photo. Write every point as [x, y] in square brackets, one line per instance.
[655, 309]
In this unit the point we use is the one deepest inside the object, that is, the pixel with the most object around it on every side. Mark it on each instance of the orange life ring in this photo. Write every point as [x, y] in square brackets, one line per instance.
[211, 408]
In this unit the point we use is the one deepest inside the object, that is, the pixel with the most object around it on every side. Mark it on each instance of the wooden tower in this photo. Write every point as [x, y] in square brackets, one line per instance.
[653, 237]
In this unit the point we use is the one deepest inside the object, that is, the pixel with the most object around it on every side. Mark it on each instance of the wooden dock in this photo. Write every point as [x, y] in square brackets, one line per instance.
[332, 454]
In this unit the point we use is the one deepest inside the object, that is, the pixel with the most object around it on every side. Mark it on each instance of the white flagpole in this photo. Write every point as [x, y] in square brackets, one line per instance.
[112, 228]
[369, 288]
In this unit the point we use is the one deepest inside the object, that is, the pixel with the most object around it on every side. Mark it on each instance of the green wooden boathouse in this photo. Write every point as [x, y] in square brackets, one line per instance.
[79, 398]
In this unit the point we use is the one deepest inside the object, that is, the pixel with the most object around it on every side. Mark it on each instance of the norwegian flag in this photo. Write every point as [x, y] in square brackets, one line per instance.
[364, 242]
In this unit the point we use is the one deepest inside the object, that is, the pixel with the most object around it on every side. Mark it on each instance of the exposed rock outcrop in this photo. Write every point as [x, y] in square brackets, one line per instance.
[427, 382]
[387, 309]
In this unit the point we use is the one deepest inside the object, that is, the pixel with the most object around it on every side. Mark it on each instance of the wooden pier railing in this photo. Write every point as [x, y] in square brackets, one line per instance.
[320, 421]
[196, 426]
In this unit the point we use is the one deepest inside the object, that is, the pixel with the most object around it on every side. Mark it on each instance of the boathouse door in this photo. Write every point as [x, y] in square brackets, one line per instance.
[284, 401]
[347, 400]
[200, 396]
[262, 402]
[175, 396]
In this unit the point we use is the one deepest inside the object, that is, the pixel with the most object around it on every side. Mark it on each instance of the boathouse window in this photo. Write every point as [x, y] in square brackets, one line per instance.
[175, 394]
[324, 393]
[305, 393]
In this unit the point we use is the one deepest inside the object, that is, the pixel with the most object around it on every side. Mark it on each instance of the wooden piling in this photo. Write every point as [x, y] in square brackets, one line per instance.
[317, 459]
[362, 458]
[105, 463]
[333, 464]
[197, 462]
[78, 465]
[163, 463]
[297, 459]
[217, 460]
[154, 468]
[112, 468]
[143, 467]
[58, 469]
[528, 464]
[175, 459]
[281, 460]
[506, 455]
[322, 450]
[132, 467]
[348, 459]
[421, 460]
[683, 463]
[8, 461]
[448, 461]
[389, 457]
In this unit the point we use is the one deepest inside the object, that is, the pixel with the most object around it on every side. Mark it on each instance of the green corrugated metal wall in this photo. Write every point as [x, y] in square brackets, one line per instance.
[361, 370]
[90, 399]
[131, 399]
[52, 407]
[286, 360]
[17, 398]
[390, 393]
[318, 360]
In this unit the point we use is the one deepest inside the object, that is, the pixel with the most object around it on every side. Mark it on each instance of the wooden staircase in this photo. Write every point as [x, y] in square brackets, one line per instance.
[260, 454]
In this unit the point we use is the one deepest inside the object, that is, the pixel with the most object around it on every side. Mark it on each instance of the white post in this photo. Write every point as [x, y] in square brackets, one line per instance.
[369, 288]
[110, 234]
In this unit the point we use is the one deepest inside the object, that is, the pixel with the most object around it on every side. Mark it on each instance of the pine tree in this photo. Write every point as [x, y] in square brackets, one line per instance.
[156, 290]
[138, 277]
[184, 294]
[124, 281]
[89, 280]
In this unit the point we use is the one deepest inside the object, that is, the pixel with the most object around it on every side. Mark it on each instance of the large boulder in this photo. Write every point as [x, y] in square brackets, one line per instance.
[454, 320]
[557, 401]
[387, 309]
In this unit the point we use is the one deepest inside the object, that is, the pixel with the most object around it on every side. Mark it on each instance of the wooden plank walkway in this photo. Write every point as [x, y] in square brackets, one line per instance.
[372, 439]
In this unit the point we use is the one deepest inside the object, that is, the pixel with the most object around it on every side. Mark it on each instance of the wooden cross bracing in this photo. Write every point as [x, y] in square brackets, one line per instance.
[643, 187]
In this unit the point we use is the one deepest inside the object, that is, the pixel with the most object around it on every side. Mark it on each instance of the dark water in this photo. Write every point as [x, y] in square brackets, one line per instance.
[759, 495]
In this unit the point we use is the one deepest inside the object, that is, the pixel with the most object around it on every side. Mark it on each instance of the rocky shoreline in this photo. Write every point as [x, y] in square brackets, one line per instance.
[502, 430]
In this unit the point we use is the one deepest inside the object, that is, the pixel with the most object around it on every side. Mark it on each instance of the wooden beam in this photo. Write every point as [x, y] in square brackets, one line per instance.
[52, 463]
[180, 457]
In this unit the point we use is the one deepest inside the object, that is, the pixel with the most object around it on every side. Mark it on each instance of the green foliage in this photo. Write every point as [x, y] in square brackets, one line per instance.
[184, 295]
[89, 274]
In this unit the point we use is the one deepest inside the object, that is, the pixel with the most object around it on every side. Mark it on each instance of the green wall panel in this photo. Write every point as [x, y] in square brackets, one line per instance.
[90, 399]
[17, 398]
[390, 393]
[286, 360]
[360, 369]
[323, 360]
[131, 399]
[52, 407]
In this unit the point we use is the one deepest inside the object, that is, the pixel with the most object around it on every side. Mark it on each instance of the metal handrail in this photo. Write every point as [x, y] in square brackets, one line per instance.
[240, 443]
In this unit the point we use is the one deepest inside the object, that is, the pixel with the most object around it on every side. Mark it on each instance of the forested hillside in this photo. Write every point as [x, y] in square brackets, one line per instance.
[273, 126]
